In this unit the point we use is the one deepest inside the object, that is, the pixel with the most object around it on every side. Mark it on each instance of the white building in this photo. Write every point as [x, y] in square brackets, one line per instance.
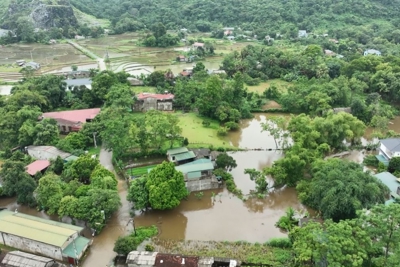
[372, 52]
[56, 240]
[390, 148]
[303, 34]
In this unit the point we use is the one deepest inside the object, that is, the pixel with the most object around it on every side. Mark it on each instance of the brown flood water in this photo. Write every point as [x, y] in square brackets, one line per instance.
[224, 216]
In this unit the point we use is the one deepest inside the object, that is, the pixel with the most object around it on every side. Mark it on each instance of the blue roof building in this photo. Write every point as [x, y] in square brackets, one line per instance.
[392, 182]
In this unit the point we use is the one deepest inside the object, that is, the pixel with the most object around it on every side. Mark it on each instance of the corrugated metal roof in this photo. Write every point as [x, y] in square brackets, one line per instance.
[139, 258]
[80, 243]
[184, 156]
[22, 259]
[37, 166]
[196, 166]
[393, 144]
[46, 152]
[80, 115]
[38, 229]
[178, 150]
[171, 260]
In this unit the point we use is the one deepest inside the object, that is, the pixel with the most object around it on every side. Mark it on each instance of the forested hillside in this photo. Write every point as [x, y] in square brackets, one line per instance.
[274, 16]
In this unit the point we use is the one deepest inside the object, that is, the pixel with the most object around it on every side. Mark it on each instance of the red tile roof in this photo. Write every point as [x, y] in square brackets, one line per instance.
[143, 96]
[37, 166]
[73, 116]
[171, 260]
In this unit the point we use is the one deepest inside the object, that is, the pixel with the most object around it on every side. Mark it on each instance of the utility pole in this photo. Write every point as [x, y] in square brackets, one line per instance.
[133, 224]
[94, 139]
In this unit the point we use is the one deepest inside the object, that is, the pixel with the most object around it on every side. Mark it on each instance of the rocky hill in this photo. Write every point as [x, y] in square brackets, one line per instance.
[43, 14]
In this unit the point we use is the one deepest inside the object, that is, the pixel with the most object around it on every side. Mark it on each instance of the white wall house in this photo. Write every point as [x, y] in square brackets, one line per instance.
[56, 240]
[390, 148]
[372, 52]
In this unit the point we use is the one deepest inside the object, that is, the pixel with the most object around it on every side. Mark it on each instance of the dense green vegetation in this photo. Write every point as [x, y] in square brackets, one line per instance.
[129, 243]
[367, 18]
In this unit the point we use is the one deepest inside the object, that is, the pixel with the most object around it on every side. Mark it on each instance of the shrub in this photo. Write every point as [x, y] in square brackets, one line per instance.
[126, 244]
[206, 123]
[222, 131]
[232, 126]
[283, 242]
[149, 248]
[371, 161]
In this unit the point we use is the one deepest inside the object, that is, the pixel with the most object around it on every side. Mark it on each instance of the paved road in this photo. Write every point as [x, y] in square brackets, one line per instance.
[100, 61]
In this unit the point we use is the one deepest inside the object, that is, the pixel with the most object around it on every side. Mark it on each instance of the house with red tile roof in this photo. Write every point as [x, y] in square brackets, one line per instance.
[149, 101]
[72, 120]
[37, 166]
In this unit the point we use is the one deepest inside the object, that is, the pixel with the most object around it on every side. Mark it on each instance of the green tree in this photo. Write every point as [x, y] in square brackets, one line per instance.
[381, 224]
[224, 161]
[394, 165]
[331, 244]
[339, 188]
[46, 132]
[138, 193]
[83, 167]
[120, 95]
[49, 193]
[259, 178]
[166, 186]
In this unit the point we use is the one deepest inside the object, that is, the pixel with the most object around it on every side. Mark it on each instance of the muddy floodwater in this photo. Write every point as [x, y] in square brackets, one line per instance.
[220, 216]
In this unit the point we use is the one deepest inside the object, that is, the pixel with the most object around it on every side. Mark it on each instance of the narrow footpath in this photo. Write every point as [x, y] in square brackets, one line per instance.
[101, 252]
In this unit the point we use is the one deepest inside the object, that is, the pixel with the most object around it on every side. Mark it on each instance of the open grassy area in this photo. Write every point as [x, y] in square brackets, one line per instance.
[139, 171]
[280, 84]
[143, 89]
[197, 134]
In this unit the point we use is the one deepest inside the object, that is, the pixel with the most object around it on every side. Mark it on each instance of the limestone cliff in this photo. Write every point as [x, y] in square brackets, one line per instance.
[44, 14]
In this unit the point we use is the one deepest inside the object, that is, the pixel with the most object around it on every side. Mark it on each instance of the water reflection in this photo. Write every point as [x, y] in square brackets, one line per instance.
[250, 134]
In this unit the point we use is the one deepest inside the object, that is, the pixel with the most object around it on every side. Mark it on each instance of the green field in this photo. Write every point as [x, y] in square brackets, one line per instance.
[280, 84]
[139, 171]
[197, 134]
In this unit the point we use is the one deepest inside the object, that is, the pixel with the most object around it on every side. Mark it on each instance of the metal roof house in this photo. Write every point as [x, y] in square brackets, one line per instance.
[37, 166]
[372, 52]
[53, 239]
[180, 155]
[72, 120]
[46, 152]
[196, 169]
[388, 149]
[22, 259]
[149, 259]
[392, 183]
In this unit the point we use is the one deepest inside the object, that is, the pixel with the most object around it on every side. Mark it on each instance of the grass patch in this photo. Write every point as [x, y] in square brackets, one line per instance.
[94, 150]
[143, 89]
[197, 134]
[139, 171]
[242, 251]
[280, 84]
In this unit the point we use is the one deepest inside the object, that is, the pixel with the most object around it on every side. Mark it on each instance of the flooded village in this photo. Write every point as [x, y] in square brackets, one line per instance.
[218, 215]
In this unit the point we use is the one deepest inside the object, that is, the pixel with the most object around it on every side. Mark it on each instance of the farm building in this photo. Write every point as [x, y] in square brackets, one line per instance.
[47, 153]
[149, 101]
[56, 240]
[22, 259]
[72, 120]
[37, 166]
[180, 155]
[149, 259]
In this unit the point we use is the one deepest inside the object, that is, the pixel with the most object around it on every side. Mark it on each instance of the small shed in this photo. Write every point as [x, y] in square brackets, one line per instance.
[37, 166]
[22, 259]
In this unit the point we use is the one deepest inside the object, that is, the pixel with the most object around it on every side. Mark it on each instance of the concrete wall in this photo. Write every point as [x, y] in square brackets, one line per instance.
[153, 103]
[31, 246]
[203, 184]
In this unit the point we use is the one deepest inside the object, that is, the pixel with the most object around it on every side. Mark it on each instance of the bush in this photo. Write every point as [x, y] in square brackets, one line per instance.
[222, 131]
[371, 161]
[126, 244]
[149, 248]
[206, 123]
[232, 126]
[283, 242]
